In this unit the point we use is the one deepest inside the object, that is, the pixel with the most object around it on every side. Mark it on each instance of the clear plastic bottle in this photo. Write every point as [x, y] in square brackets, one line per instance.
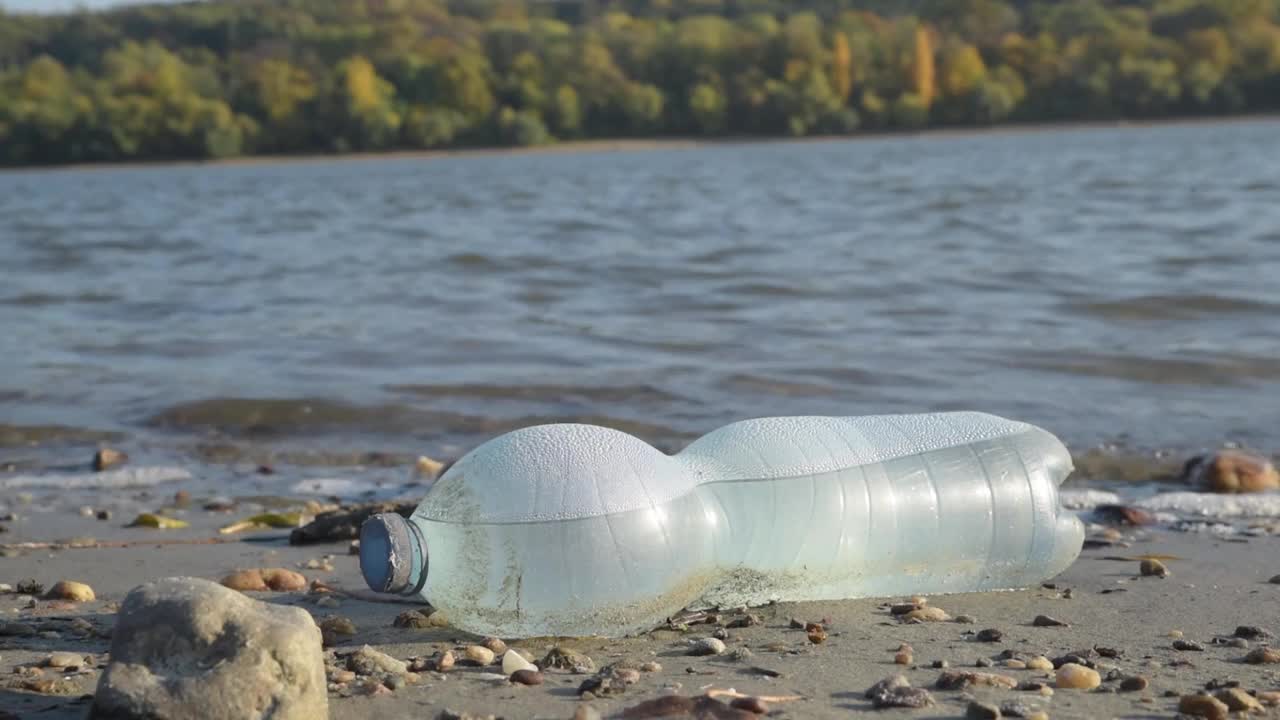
[573, 530]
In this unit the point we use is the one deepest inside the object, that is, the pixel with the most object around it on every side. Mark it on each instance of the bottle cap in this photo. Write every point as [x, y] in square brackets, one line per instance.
[393, 555]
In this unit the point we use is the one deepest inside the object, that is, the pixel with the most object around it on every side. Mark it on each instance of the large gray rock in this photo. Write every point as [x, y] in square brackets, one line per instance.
[190, 648]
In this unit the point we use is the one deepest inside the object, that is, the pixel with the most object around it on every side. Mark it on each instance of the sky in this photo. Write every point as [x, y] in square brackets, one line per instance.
[61, 5]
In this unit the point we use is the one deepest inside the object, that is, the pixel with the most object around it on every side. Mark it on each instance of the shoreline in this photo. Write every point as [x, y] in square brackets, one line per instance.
[1102, 601]
[593, 146]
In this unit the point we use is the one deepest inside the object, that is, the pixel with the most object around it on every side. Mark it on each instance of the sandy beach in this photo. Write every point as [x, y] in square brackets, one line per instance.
[1215, 585]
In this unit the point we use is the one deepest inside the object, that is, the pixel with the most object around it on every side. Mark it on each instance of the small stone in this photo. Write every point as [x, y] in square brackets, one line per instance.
[1251, 632]
[526, 677]
[1046, 621]
[104, 515]
[747, 620]
[706, 646]
[650, 667]
[86, 511]
[1238, 700]
[1153, 568]
[720, 634]
[1038, 715]
[444, 661]
[961, 679]
[338, 675]
[182, 499]
[107, 458]
[412, 619]
[797, 624]
[1039, 662]
[1015, 708]
[561, 658]
[73, 661]
[586, 712]
[184, 647]
[1188, 646]
[1135, 683]
[1234, 471]
[496, 645]
[328, 602]
[981, 711]
[984, 662]
[1204, 706]
[1078, 677]
[739, 654]
[1269, 697]
[1262, 656]
[990, 635]
[966, 619]
[478, 655]
[903, 657]
[513, 661]
[70, 591]
[367, 661]
[276, 579]
[896, 692]
[1015, 664]
[817, 635]
[926, 614]
[941, 664]
[334, 628]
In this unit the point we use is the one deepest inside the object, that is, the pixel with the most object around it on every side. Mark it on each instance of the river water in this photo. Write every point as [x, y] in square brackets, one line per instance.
[1118, 286]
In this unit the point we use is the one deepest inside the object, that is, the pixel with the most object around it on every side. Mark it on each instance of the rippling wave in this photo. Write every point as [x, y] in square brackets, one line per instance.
[1117, 286]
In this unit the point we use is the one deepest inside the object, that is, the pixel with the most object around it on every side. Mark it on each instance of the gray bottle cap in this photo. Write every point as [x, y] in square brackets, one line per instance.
[393, 556]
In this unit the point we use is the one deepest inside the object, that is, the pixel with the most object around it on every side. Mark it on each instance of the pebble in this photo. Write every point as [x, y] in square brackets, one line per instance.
[108, 458]
[1236, 471]
[1078, 677]
[263, 579]
[68, 660]
[328, 602]
[586, 712]
[941, 664]
[747, 620]
[708, 646]
[562, 658]
[1015, 664]
[990, 635]
[982, 711]
[1270, 697]
[817, 635]
[1238, 700]
[496, 645]
[1188, 646]
[513, 661]
[1262, 656]
[1046, 621]
[650, 667]
[739, 654]
[526, 677]
[984, 662]
[1251, 632]
[961, 679]
[966, 619]
[926, 614]
[104, 515]
[340, 675]
[1135, 683]
[71, 591]
[367, 661]
[903, 657]
[1015, 708]
[1153, 568]
[444, 662]
[478, 654]
[1039, 662]
[1204, 706]
[896, 692]
[333, 628]
[1275, 580]
[86, 511]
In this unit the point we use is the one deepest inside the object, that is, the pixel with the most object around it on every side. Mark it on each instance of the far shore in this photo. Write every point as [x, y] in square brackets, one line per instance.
[648, 144]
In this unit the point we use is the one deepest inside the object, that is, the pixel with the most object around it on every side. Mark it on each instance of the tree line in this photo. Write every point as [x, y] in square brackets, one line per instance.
[234, 77]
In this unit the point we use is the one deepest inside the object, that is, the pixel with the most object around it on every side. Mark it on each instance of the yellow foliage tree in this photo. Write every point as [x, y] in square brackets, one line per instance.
[922, 67]
[963, 71]
[841, 68]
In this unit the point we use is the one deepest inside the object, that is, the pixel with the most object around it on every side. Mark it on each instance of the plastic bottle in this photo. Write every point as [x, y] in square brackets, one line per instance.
[574, 530]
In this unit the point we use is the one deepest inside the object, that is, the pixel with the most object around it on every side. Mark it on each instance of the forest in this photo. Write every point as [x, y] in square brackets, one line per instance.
[225, 78]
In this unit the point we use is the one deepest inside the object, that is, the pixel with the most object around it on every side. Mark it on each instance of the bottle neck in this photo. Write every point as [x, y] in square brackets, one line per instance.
[393, 555]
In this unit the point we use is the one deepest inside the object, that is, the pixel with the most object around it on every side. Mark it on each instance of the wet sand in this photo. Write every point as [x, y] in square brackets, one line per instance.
[1215, 586]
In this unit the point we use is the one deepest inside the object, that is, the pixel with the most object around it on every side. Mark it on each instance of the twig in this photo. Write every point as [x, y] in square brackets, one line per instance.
[731, 693]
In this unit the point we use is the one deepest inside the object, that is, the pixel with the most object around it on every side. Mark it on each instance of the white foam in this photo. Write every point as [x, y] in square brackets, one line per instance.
[109, 479]
[1076, 499]
[1213, 505]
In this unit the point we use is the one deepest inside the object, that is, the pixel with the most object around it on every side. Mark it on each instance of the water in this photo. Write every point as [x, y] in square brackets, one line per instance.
[1115, 286]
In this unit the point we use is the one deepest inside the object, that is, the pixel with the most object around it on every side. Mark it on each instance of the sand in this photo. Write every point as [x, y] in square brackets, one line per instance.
[1215, 586]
